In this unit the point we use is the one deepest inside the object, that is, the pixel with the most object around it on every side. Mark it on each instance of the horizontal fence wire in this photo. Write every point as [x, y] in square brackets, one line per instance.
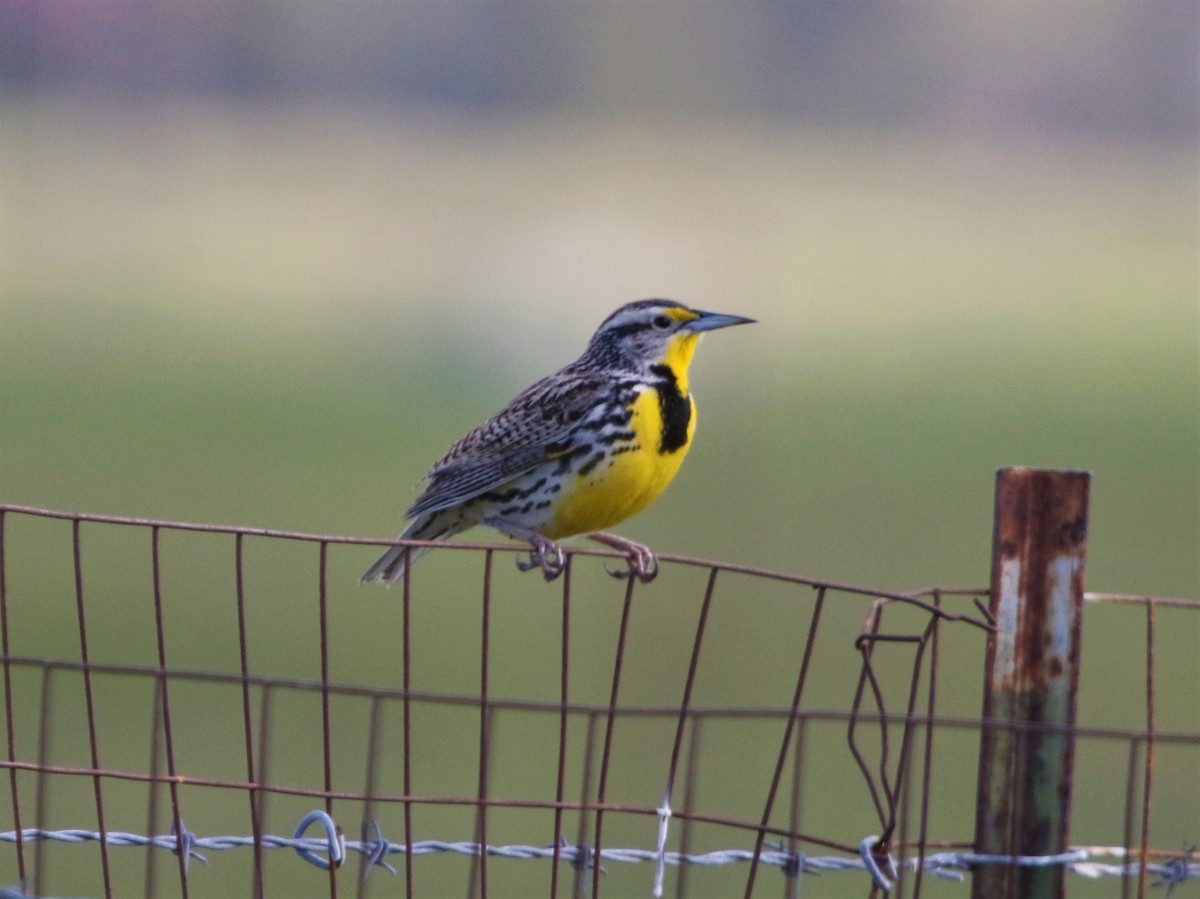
[60, 709]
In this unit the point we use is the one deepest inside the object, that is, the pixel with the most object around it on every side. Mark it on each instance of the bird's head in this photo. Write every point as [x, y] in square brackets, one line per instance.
[641, 335]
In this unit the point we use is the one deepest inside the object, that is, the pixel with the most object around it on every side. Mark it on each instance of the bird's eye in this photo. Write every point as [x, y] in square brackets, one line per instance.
[662, 322]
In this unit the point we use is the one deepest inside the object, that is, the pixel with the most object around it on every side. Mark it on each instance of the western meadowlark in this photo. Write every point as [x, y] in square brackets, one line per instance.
[579, 451]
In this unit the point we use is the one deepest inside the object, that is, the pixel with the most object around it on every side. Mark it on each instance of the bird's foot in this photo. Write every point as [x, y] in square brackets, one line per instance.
[546, 555]
[641, 561]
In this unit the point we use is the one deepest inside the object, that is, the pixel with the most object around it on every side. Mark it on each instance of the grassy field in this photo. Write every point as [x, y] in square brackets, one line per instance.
[279, 318]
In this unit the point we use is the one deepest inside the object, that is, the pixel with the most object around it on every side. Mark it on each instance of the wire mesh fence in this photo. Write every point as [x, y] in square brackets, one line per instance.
[203, 710]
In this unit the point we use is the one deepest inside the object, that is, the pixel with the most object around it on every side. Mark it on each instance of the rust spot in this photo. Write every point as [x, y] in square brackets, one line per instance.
[1076, 531]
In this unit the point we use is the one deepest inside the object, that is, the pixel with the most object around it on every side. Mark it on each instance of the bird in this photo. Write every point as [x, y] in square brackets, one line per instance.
[579, 451]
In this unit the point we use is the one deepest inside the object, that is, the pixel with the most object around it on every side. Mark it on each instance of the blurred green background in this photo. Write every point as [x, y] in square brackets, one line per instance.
[262, 262]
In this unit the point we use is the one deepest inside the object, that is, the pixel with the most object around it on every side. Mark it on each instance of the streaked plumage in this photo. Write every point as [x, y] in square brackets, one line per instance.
[577, 452]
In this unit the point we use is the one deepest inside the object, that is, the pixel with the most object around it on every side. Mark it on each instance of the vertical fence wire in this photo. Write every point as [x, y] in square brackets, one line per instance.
[690, 789]
[685, 706]
[253, 797]
[477, 882]
[685, 716]
[370, 787]
[9, 718]
[406, 705]
[151, 868]
[41, 815]
[795, 806]
[1148, 774]
[262, 776]
[587, 773]
[564, 697]
[610, 724]
[164, 695]
[89, 699]
[326, 729]
[927, 758]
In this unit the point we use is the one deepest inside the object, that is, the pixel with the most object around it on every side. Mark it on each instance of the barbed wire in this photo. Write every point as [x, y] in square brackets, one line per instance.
[332, 849]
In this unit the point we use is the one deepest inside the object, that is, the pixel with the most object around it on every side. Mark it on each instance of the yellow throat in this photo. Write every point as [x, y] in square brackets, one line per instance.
[638, 471]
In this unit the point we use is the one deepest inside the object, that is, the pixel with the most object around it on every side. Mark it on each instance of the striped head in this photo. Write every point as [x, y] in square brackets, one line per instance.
[648, 333]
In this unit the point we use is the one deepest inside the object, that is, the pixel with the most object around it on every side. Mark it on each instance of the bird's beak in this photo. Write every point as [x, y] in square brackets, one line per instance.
[710, 321]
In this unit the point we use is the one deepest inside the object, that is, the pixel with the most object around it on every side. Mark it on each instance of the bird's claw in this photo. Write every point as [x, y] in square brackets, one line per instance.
[640, 563]
[546, 555]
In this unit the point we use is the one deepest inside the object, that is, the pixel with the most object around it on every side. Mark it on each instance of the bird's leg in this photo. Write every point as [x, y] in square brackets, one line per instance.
[544, 553]
[643, 564]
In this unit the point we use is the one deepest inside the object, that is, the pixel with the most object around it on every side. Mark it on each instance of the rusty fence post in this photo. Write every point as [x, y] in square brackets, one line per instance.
[1027, 745]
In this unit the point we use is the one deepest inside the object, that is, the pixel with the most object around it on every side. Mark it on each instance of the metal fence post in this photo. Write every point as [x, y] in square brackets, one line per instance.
[1027, 746]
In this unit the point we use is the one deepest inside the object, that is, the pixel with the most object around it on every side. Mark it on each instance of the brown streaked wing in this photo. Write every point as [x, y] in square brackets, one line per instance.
[538, 425]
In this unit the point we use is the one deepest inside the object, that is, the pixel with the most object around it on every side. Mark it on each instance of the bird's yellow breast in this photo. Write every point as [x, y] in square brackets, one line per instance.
[628, 480]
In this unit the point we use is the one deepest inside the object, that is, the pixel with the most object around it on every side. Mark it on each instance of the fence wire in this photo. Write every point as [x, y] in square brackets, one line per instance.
[108, 734]
[332, 851]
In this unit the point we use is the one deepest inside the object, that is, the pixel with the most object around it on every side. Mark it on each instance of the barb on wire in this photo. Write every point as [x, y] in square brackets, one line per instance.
[378, 846]
[796, 862]
[1176, 870]
[185, 844]
[581, 858]
[335, 842]
[867, 850]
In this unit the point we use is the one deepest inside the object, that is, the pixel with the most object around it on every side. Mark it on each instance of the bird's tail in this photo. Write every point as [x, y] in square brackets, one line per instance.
[389, 568]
